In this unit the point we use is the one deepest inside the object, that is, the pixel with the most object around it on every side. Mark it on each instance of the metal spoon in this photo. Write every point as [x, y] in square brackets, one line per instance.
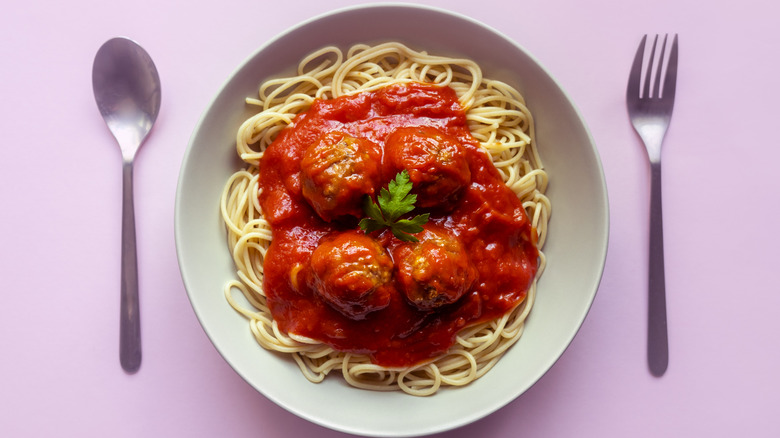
[127, 92]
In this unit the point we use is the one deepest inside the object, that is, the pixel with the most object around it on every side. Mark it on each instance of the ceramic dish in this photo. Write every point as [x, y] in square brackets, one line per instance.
[576, 246]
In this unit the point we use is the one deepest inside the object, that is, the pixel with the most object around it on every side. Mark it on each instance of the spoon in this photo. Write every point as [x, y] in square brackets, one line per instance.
[127, 92]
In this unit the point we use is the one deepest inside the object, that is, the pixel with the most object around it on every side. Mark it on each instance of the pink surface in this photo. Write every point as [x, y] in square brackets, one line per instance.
[60, 187]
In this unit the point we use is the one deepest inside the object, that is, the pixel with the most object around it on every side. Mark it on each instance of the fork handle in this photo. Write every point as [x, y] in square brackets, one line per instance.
[657, 338]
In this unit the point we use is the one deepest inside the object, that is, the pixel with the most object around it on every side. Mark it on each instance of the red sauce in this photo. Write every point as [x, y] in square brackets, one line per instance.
[488, 219]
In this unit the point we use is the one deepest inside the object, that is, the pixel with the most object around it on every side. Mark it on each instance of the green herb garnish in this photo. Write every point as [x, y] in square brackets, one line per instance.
[394, 202]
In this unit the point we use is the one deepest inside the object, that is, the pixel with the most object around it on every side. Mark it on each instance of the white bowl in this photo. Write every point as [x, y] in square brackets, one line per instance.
[576, 246]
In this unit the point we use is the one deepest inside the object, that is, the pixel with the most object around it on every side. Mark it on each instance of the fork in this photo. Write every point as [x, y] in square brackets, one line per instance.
[650, 111]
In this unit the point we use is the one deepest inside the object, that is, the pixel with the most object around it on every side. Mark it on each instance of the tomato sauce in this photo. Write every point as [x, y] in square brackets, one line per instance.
[488, 219]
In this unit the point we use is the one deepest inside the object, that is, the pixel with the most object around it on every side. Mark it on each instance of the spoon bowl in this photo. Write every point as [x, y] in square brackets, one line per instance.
[127, 92]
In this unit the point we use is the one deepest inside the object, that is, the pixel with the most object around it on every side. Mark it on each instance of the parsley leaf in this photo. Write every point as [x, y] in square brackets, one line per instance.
[394, 202]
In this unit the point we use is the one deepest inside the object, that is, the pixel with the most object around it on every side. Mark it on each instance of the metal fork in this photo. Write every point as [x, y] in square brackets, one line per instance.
[650, 112]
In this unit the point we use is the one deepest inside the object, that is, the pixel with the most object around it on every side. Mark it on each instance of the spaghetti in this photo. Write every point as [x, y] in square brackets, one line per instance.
[497, 119]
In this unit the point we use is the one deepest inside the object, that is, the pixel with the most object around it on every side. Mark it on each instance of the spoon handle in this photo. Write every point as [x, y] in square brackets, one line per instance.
[129, 318]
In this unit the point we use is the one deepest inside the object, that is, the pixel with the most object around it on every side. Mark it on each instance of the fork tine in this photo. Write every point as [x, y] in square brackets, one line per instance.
[635, 76]
[646, 91]
[670, 81]
[657, 86]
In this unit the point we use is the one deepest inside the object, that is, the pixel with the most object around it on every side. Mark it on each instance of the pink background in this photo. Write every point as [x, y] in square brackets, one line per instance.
[60, 187]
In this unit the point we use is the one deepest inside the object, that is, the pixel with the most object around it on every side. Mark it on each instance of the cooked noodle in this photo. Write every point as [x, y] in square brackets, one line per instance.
[498, 120]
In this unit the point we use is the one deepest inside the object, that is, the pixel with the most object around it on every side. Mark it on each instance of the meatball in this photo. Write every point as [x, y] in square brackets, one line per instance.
[351, 272]
[435, 271]
[337, 170]
[436, 162]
